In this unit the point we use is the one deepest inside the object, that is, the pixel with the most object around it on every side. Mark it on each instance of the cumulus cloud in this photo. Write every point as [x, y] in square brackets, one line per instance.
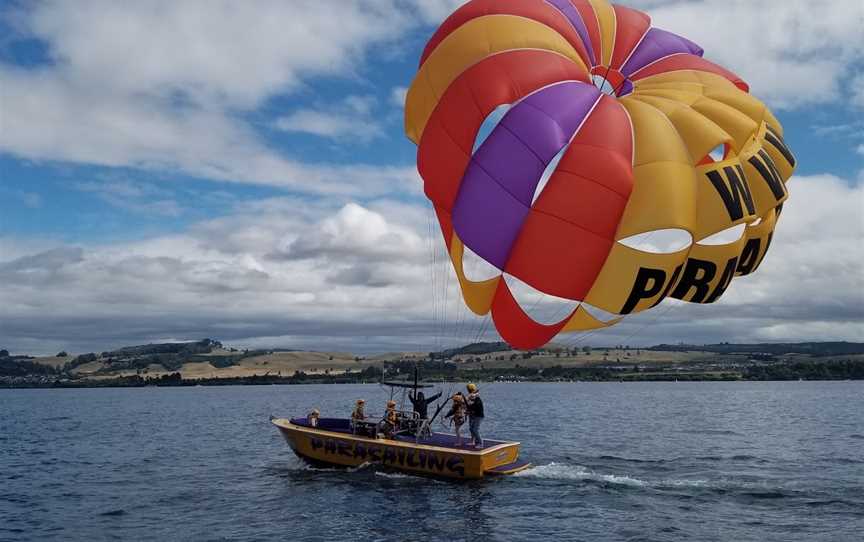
[796, 53]
[323, 275]
[165, 86]
[225, 278]
[351, 117]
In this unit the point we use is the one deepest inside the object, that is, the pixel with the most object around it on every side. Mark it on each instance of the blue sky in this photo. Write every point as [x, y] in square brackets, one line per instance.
[153, 170]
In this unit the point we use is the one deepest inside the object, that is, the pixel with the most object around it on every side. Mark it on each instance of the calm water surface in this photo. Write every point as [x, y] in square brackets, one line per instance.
[635, 461]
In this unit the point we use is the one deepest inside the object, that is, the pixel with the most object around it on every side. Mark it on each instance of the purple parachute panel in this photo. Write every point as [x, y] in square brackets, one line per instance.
[655, 45]
[569, 11]
[499, 183]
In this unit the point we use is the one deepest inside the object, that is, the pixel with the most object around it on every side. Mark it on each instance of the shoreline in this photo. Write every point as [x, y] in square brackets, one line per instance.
[172, 381]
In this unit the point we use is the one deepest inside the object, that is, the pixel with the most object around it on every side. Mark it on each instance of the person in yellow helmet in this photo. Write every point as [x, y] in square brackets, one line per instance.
[475, 414]
[457, 413]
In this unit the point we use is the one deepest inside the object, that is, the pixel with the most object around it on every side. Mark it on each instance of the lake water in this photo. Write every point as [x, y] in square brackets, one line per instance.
[635, 461]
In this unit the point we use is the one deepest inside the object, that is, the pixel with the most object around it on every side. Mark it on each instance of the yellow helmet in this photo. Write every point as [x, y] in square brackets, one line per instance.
[471, 387]
[391, 404]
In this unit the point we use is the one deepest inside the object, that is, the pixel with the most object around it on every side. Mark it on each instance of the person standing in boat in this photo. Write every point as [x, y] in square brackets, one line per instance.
[421, 403]
[457, 412]
[475, 415]
[358, 414]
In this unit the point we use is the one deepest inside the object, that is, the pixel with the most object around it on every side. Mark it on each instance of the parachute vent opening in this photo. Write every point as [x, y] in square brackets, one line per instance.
[547, 173]
[540, 307]
[604, 85]
[477, 269]
[489, 124]
[659, 241]
[718, 153]
[729, 235]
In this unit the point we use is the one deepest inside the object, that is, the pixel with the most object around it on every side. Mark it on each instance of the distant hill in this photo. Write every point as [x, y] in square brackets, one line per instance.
[471, 349]
[208, 359]
[817, 349]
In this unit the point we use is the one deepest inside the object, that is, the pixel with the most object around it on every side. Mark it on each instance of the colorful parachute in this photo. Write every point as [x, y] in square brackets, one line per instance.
[571, 174]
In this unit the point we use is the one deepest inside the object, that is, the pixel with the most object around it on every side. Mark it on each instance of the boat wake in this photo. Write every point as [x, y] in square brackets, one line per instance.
[749, 490]
[559, 471]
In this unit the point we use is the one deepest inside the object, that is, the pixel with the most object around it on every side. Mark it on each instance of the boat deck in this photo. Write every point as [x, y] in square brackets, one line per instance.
[442, 440]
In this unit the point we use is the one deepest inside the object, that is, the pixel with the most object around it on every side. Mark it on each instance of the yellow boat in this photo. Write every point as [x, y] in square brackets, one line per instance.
[334, 442]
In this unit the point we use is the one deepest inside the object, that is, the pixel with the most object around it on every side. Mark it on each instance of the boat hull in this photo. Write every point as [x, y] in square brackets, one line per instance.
[340, 449]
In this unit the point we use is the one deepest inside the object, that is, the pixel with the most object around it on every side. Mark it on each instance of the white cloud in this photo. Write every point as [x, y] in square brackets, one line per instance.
[796, 53]
[136, 197]
[856, 89]
[234, 277]
[397, 96]
[321, 272]
[434, 12]
[31, 200]
[214, 52]
[860, 149]
[352, 117]
[165, 85]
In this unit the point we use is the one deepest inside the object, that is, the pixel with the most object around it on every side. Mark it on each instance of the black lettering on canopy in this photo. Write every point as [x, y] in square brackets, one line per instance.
[697, 274]
[764, 252]
[768, 171]
[725, 280]
[649, 282]
[774, 138]
[669, 285]
[749, 257]
[733, 194]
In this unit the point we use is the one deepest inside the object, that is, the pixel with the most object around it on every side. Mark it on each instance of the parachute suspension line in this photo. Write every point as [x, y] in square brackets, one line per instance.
[446, 319]
[484, 327]
[656, 317]
[432, 277]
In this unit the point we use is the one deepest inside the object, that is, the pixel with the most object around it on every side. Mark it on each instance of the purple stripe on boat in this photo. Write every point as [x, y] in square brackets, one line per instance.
[657, 44]
[572, 14]
[498, 186]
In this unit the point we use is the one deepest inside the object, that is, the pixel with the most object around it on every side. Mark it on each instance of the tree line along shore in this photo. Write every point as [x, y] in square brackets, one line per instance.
[208, 362]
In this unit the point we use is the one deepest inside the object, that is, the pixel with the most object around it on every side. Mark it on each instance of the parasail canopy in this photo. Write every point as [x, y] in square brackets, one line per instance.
[616, 132]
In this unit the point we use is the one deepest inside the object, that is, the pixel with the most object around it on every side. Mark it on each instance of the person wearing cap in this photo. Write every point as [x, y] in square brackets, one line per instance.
[312, 417]
[457, 412]
[475, 415]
